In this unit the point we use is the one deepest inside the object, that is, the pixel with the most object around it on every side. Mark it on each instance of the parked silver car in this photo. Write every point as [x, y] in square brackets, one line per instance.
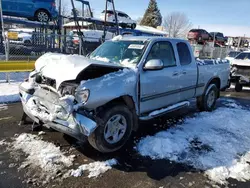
[101, 98]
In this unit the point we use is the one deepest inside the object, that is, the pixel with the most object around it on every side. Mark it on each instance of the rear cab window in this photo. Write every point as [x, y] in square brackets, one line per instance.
[184, 53]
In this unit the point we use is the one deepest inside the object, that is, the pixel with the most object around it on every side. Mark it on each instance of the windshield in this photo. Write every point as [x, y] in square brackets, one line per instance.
[243, 56]
[233, 54]
[123, 52]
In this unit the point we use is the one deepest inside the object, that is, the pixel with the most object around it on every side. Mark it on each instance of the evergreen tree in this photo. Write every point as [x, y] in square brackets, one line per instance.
[152, 16]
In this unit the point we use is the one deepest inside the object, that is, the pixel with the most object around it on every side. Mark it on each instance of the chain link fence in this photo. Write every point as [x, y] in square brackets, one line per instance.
[27, 47]
[210, 52]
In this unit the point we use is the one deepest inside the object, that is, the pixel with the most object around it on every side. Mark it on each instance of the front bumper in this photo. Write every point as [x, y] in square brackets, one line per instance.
[43, 105]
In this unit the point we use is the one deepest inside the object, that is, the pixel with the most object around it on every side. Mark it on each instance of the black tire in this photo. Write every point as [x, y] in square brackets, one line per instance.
[27, 42]
[97, 139]
[202, 101]
[133, 26]
[124, 26]
[238, 87]
[42, 16]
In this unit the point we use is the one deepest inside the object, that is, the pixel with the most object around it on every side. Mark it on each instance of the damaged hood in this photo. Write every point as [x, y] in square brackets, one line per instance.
[66, 67]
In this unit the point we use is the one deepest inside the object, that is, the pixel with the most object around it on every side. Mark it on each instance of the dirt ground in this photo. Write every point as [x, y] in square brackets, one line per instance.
[133, 170]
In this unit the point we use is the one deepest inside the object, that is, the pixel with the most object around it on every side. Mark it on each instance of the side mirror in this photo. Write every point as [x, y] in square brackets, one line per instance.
[154, 64]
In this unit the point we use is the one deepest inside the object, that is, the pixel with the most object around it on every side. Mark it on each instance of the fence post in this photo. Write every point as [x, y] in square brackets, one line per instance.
[7, 59]
[80, 46]
[220, 53]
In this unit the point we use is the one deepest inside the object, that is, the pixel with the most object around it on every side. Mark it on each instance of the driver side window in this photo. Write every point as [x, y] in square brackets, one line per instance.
[163, 51]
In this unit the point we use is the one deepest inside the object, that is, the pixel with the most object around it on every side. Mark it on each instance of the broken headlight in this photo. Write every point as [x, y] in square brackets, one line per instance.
[82, 96]
[68, 90]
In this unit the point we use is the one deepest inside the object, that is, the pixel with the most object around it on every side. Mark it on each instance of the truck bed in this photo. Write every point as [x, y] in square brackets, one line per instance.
[212, 68]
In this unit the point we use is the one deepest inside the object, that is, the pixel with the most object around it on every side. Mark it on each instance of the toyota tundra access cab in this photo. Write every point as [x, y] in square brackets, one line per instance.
[101, 98]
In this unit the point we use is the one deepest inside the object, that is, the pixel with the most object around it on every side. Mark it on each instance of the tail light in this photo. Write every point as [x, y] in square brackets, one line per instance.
[108, 14]
[76, 41]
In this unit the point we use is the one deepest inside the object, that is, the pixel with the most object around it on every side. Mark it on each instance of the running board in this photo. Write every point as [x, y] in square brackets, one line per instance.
[162, 111]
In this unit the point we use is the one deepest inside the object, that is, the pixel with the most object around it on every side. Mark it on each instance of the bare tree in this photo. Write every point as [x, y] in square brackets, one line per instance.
[65, 9]
[177, 25]
[138, 20]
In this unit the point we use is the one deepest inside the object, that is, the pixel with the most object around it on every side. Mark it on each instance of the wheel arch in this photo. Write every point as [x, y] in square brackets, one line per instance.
[126, 100]
[216, 81]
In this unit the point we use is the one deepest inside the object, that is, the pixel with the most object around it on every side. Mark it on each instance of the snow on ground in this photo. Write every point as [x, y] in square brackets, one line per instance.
[244, 88]
[42, 154]
[9, 91]
[217, 142]
[3, 107]
[95, 169]
[3, 143]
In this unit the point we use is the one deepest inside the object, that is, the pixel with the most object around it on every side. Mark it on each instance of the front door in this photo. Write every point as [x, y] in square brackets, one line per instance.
[160, 88]
[25, 7]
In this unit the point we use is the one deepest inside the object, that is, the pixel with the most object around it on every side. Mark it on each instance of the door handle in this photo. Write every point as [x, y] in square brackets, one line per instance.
[184, 72]
[175, 73]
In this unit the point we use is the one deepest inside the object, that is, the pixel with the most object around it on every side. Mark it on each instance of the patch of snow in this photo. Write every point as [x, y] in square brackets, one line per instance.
[117, 38]
[108, 79]
[41, 133]
[244, 88]
[217, 142]
[3, 143]
[231, 103]
[95, 169]
[42, 154]
[98, 58]
[9, 92]
[129, 63]
[14, 76]
[3, 107]
[169, 108]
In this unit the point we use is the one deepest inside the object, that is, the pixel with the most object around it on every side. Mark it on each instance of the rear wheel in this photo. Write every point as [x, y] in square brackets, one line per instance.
[114, 128]
[207, 101]
[238, 87]
[42, 16]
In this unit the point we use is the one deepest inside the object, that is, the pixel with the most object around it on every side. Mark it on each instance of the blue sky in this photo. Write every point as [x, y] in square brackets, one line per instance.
[229, 16]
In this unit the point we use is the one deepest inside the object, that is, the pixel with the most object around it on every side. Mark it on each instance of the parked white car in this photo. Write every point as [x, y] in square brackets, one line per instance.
[232, 55]
[240, 70]
[123, 19]
[24, 36]
[91, 35]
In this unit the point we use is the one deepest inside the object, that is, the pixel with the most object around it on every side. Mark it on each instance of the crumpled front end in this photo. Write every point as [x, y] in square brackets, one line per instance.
[43, 104]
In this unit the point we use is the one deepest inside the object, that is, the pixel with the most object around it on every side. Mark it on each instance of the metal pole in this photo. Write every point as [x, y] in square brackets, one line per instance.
[80, 47]
[239, 41]
[105, 22]
[5, 41]
[116, 21]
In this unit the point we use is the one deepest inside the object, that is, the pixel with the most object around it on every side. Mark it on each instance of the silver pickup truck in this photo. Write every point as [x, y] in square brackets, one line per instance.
[102, 97]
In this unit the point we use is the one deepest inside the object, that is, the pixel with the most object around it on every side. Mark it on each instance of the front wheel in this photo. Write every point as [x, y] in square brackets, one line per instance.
[238, 87]
[114, 129]
[207, 101]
